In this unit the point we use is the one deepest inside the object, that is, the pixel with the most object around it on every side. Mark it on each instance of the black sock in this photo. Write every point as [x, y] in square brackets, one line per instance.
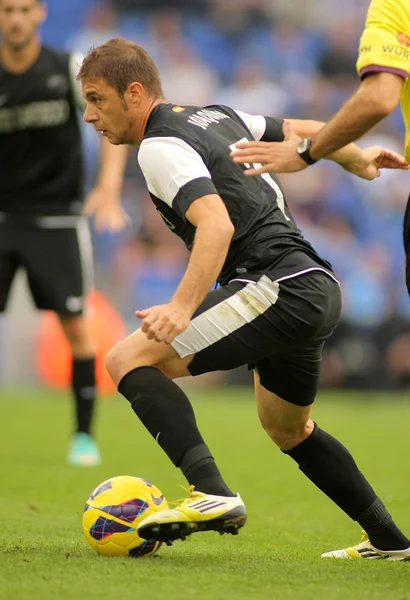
[331, 467]
[198, 466]
[83, 383]
[382, 531]
[166, 412]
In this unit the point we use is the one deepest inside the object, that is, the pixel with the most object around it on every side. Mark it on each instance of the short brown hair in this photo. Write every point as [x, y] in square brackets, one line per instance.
[120, 62]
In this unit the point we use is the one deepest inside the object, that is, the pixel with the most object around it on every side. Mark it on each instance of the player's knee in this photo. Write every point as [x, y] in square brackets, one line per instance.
[113, 360]
[287, 436]
[77, 335]
[123, 358]
[119, 362]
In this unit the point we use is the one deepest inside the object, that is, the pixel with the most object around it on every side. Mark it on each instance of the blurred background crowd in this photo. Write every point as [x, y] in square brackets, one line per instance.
[280, 58]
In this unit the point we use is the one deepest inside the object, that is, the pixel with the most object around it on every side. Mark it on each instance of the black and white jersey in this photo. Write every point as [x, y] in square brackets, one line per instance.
[185, 155]
[40, 144]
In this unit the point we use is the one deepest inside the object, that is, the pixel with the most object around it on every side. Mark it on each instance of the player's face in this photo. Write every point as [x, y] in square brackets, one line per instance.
[19, 20]
[108, 112]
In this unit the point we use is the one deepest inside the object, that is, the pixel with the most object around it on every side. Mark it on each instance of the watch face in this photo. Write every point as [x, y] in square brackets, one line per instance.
[303, 145]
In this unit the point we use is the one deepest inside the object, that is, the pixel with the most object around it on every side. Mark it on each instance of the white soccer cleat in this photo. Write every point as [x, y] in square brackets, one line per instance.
[365, 550]
[198, 512]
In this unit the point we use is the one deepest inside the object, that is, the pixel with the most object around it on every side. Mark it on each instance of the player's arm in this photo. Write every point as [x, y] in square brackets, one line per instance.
[214, 231]
[269, 129]
[303, 128]
[281, 135]
[376, 98]
[177, 175]
[104, 200]
[365, 163]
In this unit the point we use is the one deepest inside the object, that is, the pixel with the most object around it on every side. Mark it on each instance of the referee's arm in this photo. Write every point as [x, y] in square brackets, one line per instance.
[282, 138]
[377, 97]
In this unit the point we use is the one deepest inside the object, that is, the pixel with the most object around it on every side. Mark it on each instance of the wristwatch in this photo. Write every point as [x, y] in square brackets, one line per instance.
[303, 149]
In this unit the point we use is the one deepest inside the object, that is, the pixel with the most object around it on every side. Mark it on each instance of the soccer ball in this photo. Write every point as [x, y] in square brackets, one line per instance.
[113, 511]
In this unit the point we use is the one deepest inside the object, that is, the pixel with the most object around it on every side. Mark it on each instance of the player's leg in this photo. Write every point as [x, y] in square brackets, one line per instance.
[226, 331]
[218, 336]
[144, 371]
[223, 334]
[285, 387]
[330, 466]
[59, 269]
[83, 448]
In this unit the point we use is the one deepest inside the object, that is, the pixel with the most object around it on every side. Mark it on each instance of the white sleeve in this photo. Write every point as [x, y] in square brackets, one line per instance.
[255, 123]
[168, 164]
[76, 60]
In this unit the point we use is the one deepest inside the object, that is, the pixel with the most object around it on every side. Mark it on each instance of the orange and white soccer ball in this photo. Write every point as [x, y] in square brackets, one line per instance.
[113, 511]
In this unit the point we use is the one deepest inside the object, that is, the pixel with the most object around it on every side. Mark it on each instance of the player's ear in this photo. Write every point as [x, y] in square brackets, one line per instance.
[42, 16]
[135, 91]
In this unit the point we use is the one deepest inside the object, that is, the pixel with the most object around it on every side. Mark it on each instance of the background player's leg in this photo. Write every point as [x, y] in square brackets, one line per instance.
[83, 450]
[9, 263]
[328, 464]
[59, 269]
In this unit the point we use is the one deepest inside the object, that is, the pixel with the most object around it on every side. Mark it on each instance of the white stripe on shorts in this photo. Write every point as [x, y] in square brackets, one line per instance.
[297, 274]
[86, 254]
[58, 222]
[226, 317]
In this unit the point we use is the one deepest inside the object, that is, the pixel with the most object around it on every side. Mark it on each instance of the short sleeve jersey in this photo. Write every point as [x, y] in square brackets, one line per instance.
[40, 139]
[385, 46]
[185, 155]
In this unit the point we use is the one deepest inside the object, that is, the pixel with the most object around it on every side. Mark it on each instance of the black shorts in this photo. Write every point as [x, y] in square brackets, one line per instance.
[58, 263]
[277, 327]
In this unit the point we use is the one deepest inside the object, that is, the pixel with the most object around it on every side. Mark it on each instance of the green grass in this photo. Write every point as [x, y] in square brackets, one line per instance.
[277, 555]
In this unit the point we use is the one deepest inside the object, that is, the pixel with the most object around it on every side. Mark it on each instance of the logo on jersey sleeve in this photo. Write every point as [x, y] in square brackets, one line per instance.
[178, 108]
[403, 39]
[166, 221]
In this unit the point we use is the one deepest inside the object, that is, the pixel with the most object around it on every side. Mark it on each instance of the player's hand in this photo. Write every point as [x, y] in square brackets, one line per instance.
[105, 206]
[164, 321]
[372, 160]
[268, 157]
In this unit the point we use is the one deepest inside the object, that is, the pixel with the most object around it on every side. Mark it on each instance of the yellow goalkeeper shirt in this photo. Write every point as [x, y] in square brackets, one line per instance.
[385, 46]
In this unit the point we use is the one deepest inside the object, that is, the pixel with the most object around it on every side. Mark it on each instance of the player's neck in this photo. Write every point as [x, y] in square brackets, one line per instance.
[19, 61]
[142, 123]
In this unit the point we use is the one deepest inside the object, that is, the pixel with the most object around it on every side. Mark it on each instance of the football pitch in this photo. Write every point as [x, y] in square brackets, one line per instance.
[44, 555]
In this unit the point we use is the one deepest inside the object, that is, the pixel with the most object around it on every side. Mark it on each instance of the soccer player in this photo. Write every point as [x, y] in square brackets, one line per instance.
[41, 194]
[277, 303]
[384, 67]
